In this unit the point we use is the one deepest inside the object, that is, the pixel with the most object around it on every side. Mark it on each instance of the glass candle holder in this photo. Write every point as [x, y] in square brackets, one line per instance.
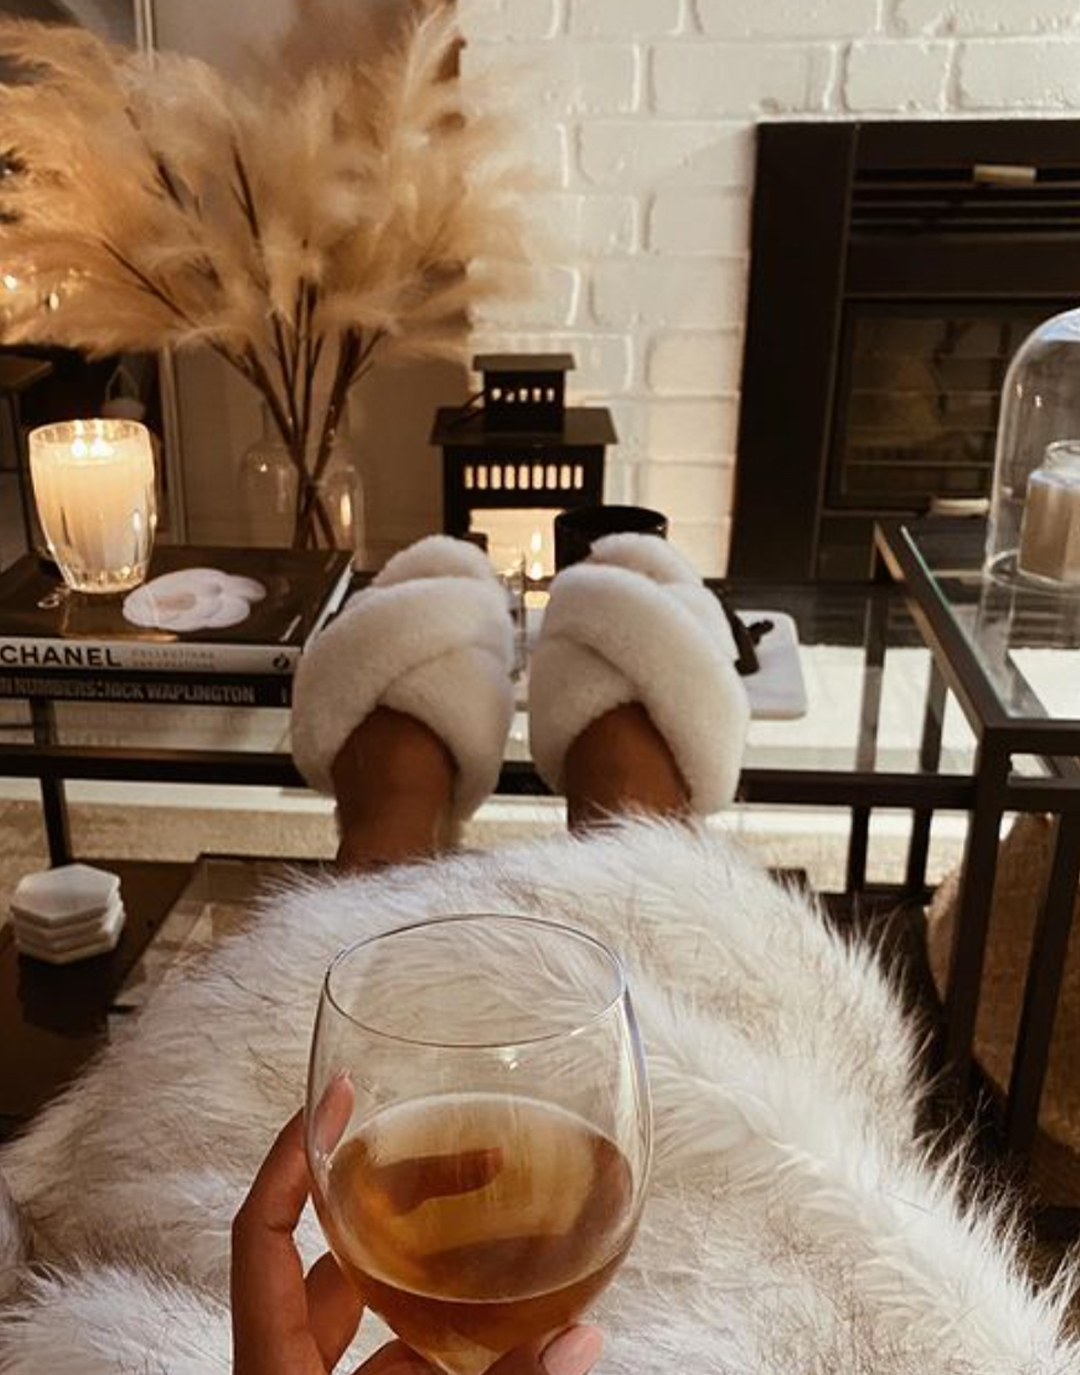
[1034, 482]
[94, 491]
[1049, 549]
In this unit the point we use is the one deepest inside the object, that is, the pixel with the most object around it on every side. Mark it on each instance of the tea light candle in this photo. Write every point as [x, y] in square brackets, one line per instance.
[94, 489]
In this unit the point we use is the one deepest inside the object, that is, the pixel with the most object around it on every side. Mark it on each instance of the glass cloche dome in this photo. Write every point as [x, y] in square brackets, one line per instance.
[1033, 538]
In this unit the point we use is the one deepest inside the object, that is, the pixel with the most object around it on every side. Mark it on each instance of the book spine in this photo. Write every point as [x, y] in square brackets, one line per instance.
[184, 690]
[334, 602]
[28, 654]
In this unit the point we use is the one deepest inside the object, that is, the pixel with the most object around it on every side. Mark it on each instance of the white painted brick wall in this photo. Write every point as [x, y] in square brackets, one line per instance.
[686, 223]
[694, 364]
[731, 79]
[516, 19]
[985, 16]
[618, 18]
[756, 19]
[555, 292]
[897, 77]
[640, 116]
[685, 490]
[694, 292]
[622, 483]
[546, 149]
[1021, 74]
[691, 429]
[573, 80]
[596, 224]
[639, 155]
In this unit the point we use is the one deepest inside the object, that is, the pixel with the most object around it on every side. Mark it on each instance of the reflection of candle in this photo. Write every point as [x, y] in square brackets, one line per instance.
[536, 551]
[24, 294]
[17, 300]
[94, 489]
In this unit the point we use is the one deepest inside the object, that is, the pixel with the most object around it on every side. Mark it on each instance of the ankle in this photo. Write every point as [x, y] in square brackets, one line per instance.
[377, 845]
[621, 764]
[394, 784]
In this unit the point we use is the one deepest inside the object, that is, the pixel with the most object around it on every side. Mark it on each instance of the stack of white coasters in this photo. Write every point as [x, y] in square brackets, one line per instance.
[67, 914]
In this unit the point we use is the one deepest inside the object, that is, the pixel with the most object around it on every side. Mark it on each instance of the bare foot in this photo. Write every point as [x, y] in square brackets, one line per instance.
[621, 763]
[394, 781]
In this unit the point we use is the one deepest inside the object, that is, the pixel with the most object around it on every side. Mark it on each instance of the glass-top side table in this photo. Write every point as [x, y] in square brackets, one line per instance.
[1017, 645]
[1012, 659]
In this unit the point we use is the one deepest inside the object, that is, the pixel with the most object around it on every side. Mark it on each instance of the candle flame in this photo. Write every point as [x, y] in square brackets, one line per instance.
[536, 549]
[96, 447]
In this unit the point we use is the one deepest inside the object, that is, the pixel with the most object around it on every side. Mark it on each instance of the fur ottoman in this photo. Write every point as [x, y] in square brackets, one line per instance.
[794, 1223]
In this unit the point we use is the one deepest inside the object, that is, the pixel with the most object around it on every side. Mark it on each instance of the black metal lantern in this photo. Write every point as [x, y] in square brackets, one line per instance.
[524, 447]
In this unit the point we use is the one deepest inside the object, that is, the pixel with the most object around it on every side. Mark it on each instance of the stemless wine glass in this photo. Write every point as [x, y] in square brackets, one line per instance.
[478, 1129]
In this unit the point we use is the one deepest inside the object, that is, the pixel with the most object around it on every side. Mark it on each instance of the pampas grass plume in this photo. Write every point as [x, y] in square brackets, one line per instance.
[339, 204]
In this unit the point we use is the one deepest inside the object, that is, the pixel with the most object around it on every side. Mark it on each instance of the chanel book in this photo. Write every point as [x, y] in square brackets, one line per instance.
[46, 629]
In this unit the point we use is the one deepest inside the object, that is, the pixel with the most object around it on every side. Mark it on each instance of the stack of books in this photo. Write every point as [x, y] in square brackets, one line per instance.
[61, 645]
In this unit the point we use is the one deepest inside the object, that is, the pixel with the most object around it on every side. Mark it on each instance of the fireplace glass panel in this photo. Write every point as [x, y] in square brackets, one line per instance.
[918, 398]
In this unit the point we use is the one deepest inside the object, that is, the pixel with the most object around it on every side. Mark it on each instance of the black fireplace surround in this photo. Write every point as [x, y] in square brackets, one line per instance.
[895, 268]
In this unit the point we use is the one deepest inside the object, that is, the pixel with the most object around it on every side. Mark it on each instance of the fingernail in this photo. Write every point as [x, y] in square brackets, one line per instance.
[574, 1352]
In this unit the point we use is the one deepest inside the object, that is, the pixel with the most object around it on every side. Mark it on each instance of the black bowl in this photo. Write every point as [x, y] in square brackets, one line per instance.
[577, 530]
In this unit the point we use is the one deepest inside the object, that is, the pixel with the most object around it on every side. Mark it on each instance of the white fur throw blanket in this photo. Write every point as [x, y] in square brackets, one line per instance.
[794, 1224]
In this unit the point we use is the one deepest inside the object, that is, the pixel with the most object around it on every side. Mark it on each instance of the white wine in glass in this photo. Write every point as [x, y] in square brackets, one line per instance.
[478, 1129]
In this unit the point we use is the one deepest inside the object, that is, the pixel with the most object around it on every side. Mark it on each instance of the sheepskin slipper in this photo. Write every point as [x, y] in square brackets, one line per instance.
[635, 623]
[430, 637]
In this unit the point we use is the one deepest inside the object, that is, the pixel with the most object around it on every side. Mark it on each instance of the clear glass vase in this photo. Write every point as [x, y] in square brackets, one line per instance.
[337, 522]
[1033, 537]
[274, 512]
[268, 490]
[341, 501]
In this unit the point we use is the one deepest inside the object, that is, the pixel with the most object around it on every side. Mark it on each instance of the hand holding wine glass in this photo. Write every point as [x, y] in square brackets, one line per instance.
[284, 1324]
[478, 1130]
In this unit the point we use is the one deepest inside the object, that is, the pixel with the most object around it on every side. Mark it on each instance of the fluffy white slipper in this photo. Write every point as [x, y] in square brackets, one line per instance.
[634, 623]
[431, 637]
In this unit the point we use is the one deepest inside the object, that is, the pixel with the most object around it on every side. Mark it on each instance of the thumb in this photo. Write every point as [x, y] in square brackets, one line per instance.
[572, 1352]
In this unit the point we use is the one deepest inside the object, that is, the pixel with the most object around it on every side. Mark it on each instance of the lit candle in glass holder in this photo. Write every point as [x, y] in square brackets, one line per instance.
[1049, 548]
[94, 490]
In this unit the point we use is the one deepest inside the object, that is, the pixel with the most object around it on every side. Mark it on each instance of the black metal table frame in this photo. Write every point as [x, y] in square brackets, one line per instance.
[860, 789]
[997, 790]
